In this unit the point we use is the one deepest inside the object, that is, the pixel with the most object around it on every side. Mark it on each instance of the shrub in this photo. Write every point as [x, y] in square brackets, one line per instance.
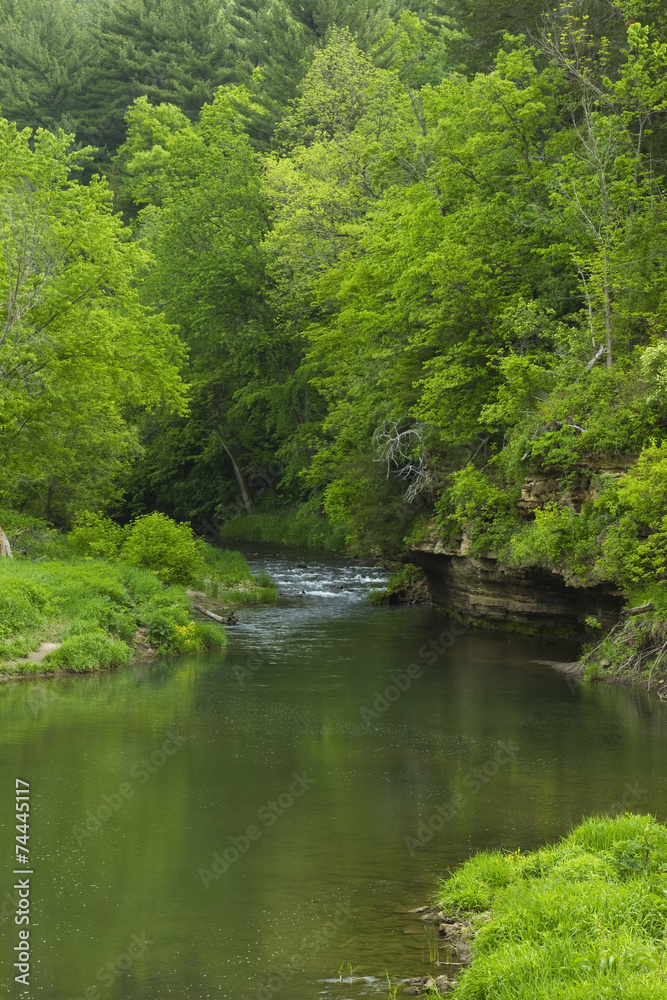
[475, 502]
[89, 651]
[96, 536]
[160, 544]
[197, 636]
[161, 616]
[559, 536]
[634, 549]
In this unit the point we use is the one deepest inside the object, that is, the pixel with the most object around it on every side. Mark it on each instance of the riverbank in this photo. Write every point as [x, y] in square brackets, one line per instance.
[81, 614]
[584, 917]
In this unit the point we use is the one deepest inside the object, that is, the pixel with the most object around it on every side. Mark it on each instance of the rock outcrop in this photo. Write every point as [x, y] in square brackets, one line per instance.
[481, 591]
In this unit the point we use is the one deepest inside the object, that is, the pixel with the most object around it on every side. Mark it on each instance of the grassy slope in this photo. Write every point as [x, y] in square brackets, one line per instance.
[95, 608]
[582, 919]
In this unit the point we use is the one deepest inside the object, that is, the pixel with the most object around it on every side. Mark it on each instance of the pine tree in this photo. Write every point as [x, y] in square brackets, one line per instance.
[170, 51]
[45, 64]
[273, 52]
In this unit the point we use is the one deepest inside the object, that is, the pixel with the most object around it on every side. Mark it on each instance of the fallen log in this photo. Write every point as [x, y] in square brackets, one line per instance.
[231, 618]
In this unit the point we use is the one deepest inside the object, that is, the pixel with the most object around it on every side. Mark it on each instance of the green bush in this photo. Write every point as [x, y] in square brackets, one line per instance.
[634, 549]
[91, 650]
[195, 637]
[473, 502]
[162, 616]
[96, 536]
[160, 544]
[559, 536]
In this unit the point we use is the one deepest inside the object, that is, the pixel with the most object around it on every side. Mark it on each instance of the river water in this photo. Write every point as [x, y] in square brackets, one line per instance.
[243, 825]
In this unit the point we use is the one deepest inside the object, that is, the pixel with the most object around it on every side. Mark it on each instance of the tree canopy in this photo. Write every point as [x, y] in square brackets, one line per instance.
[405, 256]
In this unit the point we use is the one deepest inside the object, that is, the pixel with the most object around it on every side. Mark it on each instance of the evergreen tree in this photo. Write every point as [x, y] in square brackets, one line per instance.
[170, 51]
[46, 64]
[272, 55]
[367, 19]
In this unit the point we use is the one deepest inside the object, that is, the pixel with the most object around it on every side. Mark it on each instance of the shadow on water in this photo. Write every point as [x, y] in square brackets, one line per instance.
[246, 824]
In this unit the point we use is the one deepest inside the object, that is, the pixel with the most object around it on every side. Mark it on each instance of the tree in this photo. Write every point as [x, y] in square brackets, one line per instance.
[605, 195]
[206, 227]
[167, 51]
[76, 345]
[46, 64]
[272, 53]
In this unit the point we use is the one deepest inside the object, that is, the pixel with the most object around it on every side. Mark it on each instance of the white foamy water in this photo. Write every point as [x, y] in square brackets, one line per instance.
[319, 576]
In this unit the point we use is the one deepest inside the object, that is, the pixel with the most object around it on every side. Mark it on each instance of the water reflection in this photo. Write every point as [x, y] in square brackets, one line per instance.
[304, 883]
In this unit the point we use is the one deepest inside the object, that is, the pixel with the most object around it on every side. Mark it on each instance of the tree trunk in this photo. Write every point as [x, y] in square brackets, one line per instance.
[5, 547]
[607, 309]
[237, 472]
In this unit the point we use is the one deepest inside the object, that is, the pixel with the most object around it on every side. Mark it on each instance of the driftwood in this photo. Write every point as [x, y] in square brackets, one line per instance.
[642, 609]
[5, 547]
[231, 618]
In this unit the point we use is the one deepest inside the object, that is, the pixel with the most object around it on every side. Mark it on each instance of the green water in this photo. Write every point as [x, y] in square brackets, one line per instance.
[325, 876]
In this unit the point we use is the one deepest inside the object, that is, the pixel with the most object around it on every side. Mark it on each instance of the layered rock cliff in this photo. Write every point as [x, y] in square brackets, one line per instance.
[481, 590]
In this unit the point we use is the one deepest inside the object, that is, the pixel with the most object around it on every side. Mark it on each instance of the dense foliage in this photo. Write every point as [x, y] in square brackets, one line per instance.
[378, 263]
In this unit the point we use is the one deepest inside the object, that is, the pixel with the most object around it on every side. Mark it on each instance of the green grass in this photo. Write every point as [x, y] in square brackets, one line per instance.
[94, 608]
[286, 527]
[635, 650]
[227, 579]
[583, 918]
[80, 590]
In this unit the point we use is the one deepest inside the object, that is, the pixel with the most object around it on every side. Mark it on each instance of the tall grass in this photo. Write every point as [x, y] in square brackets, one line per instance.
[581, 919]
[227, 579]
[288, 527]
[94, 608]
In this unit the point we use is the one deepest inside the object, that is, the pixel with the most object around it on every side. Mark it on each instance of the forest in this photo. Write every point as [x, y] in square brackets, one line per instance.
[366, 266]
[374, 277]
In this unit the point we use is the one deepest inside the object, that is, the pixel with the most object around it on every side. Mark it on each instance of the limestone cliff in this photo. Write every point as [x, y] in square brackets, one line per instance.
[480, 589]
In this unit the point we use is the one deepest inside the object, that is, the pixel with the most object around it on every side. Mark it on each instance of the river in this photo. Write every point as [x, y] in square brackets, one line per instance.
[245, 824]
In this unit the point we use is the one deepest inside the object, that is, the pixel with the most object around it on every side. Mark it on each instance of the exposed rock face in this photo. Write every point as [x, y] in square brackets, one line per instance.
[535, 600]
[539, 490]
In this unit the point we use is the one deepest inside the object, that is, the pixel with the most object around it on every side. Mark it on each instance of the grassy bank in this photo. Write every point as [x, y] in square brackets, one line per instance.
[103, 594]
[583, 918]
[286, 527]
[407, 585]
[635, 650]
